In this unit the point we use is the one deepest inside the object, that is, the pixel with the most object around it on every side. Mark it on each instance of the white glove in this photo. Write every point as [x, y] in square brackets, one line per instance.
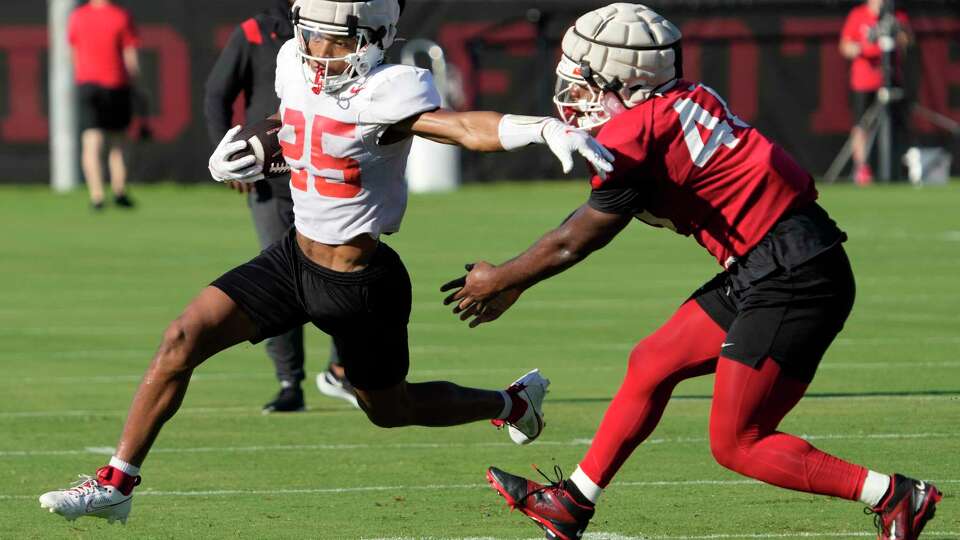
[563, 140]
[244, 169]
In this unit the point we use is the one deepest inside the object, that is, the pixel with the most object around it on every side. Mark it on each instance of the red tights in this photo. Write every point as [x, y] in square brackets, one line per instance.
[748, 405]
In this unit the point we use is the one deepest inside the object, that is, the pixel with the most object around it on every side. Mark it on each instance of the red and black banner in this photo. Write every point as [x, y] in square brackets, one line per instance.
[777, 63]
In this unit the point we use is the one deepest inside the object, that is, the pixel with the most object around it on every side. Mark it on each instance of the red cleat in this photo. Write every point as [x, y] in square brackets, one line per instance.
[863, 176]
[906, 510]
[551, 506]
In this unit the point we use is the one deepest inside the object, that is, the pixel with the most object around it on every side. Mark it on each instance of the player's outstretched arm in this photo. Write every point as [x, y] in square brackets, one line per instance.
[487, 290]
[486, 131]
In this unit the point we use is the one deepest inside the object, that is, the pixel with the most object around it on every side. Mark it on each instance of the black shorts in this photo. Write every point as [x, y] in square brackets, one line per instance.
[365, 312]
[787, 298]
[860, 102]
[104, 108]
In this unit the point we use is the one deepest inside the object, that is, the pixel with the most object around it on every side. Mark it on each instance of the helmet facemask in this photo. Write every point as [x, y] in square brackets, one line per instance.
[367, 54]
[581, 101]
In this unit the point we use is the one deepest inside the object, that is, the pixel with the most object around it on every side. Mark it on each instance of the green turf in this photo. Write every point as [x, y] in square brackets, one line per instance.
[85, 298]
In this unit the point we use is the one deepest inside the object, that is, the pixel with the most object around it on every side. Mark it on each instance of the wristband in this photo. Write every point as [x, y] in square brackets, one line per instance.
[517, 131]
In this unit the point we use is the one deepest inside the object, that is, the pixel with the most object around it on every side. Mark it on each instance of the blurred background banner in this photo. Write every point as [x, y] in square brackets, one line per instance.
[777, 64]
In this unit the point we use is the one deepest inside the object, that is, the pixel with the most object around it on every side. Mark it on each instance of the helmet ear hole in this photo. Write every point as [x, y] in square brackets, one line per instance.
[378, 35]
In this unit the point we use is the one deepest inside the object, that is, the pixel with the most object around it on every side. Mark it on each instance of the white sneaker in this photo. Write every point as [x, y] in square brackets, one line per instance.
[525, 425]
[88, 497]
[330, 385]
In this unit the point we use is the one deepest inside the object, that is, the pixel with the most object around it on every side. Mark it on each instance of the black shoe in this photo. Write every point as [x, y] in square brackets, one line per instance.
[552, 507]
[97, 206]
[289, 399]
[123, 201]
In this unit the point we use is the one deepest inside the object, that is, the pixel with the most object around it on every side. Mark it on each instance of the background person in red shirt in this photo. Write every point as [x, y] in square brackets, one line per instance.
[861, 42]
[104, 42]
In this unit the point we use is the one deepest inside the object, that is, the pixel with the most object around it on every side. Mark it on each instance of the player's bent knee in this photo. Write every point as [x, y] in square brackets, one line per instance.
[643, 369]
[176, 347]
[727, 451]
[639, 354]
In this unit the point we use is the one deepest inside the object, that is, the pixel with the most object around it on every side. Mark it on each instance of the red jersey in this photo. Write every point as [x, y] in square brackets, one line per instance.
[866, 73]
[699, 170]
[99, 34]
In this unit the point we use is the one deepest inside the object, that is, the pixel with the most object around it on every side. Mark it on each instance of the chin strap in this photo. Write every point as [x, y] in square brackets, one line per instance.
[318, 82]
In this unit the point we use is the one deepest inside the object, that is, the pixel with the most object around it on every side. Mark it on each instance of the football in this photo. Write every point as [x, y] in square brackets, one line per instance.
[263, 144]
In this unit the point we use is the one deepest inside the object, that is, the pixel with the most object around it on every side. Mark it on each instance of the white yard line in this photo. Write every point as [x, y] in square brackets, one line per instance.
[265, 375]
[428, 487]
[108, 450]
[253, 411]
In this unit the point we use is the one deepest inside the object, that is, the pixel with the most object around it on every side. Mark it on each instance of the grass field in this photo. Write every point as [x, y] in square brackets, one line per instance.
[85, 298]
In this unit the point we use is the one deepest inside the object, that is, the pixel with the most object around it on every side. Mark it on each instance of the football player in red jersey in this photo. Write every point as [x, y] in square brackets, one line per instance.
[684, 161]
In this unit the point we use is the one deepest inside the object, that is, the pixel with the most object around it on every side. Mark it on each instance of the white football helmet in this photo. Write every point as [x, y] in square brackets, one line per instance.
[617, 55]
[372, 22]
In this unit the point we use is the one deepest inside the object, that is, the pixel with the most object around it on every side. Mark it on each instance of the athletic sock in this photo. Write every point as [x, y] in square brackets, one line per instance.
[583, 490]
[875, 488]
[123, 466]
[116, 477]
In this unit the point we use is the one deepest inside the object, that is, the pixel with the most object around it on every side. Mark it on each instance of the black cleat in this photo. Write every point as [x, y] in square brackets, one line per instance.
[289, 399]
[97, 206]
[552, 507]
[907, 508]
[123, 201]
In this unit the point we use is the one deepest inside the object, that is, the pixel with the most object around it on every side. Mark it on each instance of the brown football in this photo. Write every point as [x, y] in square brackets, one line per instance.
[263, 144]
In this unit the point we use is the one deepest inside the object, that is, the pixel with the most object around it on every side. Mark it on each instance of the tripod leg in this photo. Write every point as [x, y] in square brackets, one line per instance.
[867, 123]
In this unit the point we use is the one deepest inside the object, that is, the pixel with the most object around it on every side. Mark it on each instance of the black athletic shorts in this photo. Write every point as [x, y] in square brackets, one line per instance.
[787, 298]
[365, 312]
[104, 108]
[860, 102]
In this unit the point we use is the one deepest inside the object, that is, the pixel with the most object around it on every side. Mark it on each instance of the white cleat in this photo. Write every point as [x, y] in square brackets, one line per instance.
[330, 385]
[529, 392]
[89, 498]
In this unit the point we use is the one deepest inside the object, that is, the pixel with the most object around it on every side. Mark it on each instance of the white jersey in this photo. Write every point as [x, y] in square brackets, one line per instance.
[344, 183]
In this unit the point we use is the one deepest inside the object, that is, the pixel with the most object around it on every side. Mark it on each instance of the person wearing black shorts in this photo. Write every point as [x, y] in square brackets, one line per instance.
[281, 288]
[104, 41]
[687, 163]
[787, 298]
[348, 119]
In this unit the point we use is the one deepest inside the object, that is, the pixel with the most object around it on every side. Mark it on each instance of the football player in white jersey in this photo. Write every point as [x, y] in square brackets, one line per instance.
[348, 120]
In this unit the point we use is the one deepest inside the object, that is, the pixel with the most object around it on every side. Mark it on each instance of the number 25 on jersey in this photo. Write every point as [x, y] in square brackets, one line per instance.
[332, 176]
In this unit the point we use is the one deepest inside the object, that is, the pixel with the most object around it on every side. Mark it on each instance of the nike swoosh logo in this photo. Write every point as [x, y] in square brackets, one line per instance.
[92, 508]
[725, 345]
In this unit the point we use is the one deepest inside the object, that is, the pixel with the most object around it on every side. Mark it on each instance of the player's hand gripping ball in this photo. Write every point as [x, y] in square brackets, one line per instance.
[249, 153]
